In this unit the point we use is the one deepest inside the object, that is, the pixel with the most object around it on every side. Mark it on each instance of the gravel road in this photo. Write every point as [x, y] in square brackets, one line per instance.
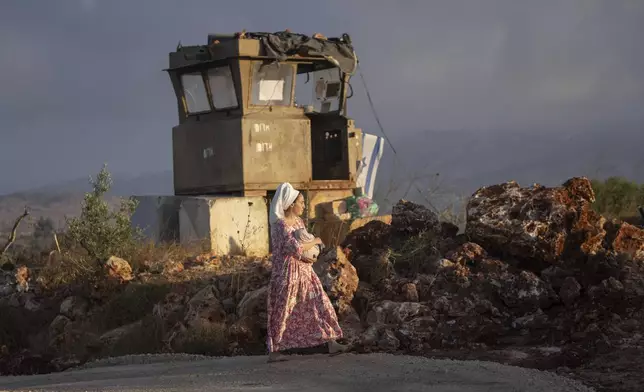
[348, 372]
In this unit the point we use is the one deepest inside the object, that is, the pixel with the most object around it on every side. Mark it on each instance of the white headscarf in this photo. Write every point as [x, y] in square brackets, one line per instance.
[285, 196]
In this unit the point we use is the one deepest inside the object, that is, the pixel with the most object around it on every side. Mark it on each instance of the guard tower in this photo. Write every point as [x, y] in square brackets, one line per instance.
[259, 109]
[245, 125]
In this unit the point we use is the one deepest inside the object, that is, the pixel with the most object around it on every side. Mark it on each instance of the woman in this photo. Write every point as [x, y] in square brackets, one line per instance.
[300, 314]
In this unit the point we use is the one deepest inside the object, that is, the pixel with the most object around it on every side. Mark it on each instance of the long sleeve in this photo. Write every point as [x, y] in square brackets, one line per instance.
[290, 246]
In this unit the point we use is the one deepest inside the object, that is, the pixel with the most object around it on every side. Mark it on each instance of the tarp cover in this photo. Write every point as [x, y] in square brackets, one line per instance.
[284, 43]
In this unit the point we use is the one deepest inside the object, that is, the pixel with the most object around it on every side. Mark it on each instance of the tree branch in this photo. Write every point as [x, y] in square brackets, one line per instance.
[14, 230]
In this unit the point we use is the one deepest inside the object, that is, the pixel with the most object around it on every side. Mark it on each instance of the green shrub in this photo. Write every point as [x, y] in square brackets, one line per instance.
[100, 231]
[416, 254]
[617, 197]
[43, 235]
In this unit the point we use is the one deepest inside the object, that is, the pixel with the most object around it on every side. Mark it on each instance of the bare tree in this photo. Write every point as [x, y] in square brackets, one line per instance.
[14, 230]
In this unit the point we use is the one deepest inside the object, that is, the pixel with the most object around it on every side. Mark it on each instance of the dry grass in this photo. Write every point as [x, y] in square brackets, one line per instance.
[67, 269]
[417, 254]
[147, 254]
[73, 265]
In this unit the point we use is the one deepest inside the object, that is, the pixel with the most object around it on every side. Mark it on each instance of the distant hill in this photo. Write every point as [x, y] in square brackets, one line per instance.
[57, 201]
[123, 185]
[465, 160]
[468, 160]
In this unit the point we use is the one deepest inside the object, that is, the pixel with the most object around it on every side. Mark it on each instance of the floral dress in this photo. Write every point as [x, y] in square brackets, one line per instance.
[300, 314]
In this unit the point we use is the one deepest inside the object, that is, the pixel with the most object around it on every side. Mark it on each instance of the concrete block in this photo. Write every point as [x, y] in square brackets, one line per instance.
[158, 217]
[228, 225]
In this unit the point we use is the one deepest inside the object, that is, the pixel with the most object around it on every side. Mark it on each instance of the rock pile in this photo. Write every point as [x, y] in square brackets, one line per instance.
[535, 267]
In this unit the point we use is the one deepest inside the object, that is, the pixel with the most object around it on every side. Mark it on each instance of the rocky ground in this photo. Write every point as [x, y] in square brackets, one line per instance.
[536, 280]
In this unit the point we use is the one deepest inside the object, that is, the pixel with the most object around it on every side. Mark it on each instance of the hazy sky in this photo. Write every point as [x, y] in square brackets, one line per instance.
[81, 80]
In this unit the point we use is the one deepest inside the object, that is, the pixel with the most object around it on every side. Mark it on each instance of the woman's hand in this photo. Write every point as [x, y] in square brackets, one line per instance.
[307, 260]
[317, 241]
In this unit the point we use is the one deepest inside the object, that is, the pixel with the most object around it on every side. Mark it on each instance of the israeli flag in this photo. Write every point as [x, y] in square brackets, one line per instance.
[372, 149]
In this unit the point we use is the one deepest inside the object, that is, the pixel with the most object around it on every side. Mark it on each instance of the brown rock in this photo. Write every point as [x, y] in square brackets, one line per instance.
[409, 292]
[339, 278]
[118, 269]
[467, 254]
[411, 219]
[587, 233]
[533, 224]
[629, 240]
[172, 267]
[22, 279]
[364, 240]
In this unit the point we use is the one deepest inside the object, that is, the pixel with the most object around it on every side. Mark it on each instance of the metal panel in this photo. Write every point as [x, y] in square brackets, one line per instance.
[276, 149]
[207, 155]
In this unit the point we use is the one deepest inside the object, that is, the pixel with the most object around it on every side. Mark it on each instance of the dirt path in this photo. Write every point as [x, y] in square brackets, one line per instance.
[373, 373]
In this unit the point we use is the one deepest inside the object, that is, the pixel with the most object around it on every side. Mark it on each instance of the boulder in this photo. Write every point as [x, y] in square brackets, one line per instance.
[74, 307]
[59, 325]
[409, 219]
[251, 310]
[525, 292]
[628, 240]
[388, 341]
[338, 276]
[118, 269]
[111, 338]
[535, 224]
[364, 240]
[374, 267]
[204, 308]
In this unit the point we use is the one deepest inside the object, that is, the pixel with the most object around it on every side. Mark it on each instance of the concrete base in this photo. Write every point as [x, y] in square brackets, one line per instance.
[225, 225]
[158, 216]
